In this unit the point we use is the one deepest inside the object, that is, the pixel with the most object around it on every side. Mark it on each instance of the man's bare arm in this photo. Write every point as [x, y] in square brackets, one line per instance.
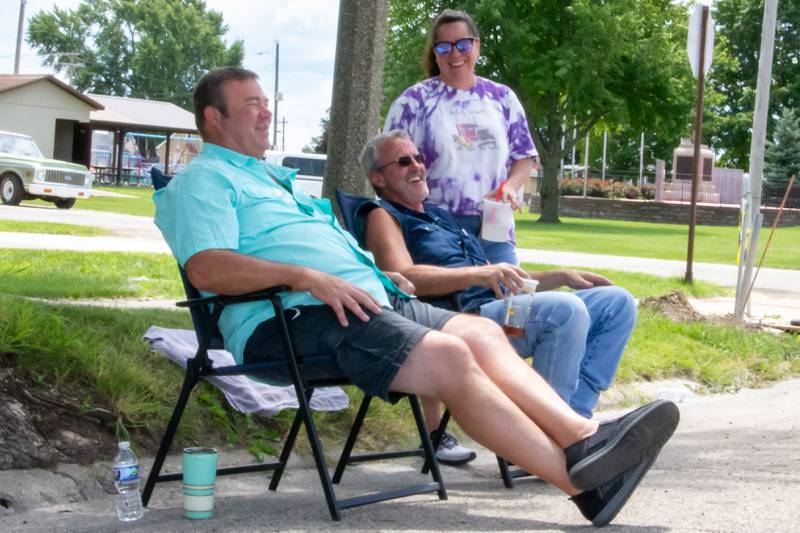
[229, 272]
[574, 279]
[385, 240]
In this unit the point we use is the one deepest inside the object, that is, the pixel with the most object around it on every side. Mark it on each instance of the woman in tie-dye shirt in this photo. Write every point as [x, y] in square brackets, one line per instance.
[471, 130]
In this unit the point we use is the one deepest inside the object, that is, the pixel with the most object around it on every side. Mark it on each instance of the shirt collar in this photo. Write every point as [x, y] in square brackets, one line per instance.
[232, 156]
[241, 160]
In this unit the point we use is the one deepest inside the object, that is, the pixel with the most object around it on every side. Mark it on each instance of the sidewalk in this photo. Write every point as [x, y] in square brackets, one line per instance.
[729, 467]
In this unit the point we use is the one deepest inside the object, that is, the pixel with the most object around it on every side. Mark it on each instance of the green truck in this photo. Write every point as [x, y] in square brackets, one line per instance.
[26, 175]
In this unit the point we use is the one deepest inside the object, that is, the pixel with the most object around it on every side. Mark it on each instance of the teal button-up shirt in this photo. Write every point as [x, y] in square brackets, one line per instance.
[227, 200]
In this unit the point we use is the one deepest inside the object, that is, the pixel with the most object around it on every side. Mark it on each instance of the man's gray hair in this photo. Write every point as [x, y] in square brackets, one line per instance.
[370, 153]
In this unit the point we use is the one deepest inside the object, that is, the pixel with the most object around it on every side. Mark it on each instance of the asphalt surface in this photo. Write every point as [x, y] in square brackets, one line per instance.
[731, 466]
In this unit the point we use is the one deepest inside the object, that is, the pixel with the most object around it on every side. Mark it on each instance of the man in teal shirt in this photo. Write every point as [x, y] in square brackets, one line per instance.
[237, 224]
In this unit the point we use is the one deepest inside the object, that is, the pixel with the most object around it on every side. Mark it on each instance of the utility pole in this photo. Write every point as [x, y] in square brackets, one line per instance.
[283, 134]
[19, 34]
[275, 113]
[749, 243]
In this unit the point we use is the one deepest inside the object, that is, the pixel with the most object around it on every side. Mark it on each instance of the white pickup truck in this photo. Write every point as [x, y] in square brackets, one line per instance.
[25, 174]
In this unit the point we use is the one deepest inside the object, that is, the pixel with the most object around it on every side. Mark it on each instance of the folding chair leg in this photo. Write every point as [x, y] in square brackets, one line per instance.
[430, 457]
[437, 437]
[190, 380]
[288, 446]
[319, 459]
[504, 473]
[351, 438]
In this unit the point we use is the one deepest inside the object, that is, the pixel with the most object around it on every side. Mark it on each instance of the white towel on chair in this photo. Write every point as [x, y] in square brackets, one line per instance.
[244, 394]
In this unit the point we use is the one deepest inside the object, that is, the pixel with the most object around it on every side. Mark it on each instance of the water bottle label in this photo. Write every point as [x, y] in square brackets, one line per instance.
[126, 473]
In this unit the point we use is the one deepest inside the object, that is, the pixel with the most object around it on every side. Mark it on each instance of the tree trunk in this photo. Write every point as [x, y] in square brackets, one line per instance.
[549, 190]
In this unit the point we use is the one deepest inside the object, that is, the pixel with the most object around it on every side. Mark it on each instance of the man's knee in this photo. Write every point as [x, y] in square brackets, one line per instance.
[610, 303]
[474, 329]
[440, 365]
[563, 311]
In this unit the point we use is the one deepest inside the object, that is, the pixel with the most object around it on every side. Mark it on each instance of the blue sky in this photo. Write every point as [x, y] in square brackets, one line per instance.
[306, 30]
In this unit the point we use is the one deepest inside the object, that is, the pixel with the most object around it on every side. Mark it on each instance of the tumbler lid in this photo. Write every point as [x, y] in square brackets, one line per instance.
[529, 285]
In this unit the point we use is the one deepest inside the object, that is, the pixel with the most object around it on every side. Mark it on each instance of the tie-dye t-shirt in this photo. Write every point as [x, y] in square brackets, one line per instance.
[469, 138]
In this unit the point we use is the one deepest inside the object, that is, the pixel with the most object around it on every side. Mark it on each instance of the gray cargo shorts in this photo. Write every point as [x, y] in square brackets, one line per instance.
[368, 353]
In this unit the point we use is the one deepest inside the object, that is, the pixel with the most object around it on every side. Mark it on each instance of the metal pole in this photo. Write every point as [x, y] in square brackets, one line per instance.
[563, 144]
[698, 127]
[758, 140]
[19, 34]
[574, 142]
[586, 166]
[605, 145]
[275, 114]
[283, 134]
[641, 161]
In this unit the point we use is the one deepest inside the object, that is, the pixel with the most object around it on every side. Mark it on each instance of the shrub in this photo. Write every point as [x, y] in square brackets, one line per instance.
[648, 191]
[571, 187]
[600, 188]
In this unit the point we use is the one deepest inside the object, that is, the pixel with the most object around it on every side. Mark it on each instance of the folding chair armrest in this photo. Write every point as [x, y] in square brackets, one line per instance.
[261, 294]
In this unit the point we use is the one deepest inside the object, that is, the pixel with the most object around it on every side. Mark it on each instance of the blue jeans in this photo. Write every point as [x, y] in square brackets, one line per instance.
[496, 252]
[576, 339]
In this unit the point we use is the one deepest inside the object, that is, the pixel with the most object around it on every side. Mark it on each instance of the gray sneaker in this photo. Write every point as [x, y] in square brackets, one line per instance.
[451, 453]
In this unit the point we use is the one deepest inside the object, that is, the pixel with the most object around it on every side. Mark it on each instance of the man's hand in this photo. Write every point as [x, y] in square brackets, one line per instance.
[578, 279]
[491, 276]
[337, 293]
[402, 282]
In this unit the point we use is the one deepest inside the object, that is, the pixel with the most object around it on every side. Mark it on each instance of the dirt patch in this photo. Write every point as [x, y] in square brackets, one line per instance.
[43, 427]
[674, 305]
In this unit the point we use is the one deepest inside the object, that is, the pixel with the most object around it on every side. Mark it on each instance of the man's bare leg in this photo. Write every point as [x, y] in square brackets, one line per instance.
[442, 366]
[432, 412]
[516, 378]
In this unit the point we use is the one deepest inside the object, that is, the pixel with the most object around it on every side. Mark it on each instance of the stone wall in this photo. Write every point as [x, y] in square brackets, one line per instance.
[666, 212]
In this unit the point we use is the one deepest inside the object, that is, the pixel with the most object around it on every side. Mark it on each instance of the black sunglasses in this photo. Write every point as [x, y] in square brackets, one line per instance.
[404, 161]
[444, 48]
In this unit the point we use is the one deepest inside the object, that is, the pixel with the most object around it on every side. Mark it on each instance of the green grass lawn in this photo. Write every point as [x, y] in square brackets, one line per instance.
[98, 353]
[140, 204]
[62, 274]
[713, 244]
[53, 228]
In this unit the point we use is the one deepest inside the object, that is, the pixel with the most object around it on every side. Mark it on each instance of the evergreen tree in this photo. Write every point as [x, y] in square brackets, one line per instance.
[782, 155]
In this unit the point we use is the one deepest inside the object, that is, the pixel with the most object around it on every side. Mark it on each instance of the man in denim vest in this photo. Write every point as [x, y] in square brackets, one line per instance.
[576, 338]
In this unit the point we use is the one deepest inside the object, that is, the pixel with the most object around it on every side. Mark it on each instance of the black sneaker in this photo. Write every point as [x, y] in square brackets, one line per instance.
[602, 504]
[620, 444]
[451, 453]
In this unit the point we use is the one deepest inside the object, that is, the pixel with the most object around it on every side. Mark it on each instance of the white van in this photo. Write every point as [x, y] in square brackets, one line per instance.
[310, 169]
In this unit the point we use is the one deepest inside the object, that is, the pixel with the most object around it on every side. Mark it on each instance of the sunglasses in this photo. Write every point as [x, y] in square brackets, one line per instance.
[404, 161]
[444, 48]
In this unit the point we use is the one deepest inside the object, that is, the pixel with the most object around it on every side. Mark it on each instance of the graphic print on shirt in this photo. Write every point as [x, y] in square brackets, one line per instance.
[470, 134]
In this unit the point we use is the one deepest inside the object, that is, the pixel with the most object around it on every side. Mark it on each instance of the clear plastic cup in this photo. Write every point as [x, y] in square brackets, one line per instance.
[517, 308]
[498, 218]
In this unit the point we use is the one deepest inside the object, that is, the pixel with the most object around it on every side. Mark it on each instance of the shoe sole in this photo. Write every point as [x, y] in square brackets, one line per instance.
[615, 504]
[640, 438]
[457, 462]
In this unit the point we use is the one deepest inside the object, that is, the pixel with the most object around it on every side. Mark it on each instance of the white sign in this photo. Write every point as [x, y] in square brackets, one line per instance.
[693, 43]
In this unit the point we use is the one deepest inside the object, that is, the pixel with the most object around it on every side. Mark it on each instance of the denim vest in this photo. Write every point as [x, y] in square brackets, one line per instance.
[435, 238]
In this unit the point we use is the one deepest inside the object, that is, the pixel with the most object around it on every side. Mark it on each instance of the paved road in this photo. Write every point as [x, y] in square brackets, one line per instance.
[142, 235]
[731, 466]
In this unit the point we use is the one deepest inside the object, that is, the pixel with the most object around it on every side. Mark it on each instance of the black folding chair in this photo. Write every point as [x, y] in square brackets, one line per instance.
[354, 209]
[205, 312]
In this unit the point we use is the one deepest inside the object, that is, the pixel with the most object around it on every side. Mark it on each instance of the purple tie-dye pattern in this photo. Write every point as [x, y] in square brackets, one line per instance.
[418, 112]
[519, 139]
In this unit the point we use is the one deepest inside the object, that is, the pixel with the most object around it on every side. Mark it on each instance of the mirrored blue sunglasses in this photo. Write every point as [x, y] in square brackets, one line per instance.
[444, 48]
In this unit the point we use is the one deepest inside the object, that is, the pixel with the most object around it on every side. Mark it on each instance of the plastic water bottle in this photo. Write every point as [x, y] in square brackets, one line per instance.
[126, 479]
